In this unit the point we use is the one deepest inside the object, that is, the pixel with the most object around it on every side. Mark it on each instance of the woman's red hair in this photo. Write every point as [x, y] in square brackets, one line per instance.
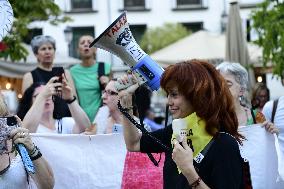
[207, 92]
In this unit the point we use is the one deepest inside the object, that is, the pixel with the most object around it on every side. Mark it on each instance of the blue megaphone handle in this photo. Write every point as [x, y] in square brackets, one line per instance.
[28, 164]
[151, 71]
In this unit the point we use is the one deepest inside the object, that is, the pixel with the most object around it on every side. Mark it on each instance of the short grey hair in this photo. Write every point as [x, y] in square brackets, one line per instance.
[39, 40]
[237, 70]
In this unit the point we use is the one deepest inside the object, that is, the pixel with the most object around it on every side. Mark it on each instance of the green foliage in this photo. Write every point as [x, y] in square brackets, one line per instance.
[157, 38]
[268, 21]
[25, 12]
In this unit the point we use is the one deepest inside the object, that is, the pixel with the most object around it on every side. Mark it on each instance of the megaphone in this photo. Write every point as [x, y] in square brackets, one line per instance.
[118, 40]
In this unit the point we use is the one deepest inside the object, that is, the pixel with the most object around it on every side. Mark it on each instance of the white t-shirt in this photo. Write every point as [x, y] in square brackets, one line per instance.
[101, 119]
[278, 118]
[68, 124]
[16, 177]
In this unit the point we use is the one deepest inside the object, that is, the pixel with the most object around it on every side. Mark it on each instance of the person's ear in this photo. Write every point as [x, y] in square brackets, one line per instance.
[242, 91]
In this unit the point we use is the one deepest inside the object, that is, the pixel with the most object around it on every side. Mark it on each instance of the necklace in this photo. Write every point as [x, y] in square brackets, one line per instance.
[5, 169]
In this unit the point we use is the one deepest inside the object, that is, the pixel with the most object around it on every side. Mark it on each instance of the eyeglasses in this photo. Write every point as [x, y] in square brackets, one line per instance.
[110, 93]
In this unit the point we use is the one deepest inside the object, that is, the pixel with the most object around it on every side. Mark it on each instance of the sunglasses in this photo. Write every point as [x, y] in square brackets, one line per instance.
[110, 93]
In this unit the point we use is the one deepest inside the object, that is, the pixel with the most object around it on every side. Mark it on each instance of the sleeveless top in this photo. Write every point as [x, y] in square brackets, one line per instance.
[42, 76]
[16, 177]
[67, 123]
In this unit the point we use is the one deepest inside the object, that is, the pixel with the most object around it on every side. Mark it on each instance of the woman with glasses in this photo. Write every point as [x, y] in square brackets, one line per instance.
[37, 108]
[260, 95]
[132, 175]
[12, 171]
[236, 77]
[44, 49]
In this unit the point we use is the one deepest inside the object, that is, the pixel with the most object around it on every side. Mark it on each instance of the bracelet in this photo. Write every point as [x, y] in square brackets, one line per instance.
[33, 158]
[34, 150]
[128, 108]
[36, 154]
[71, 101]
[196, 183]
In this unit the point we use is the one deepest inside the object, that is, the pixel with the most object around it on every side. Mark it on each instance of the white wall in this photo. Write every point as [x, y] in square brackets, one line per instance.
[275, 86]
[160, 12]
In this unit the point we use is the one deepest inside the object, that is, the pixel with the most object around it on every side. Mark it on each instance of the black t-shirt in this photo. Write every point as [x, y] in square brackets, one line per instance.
[42, 76]
[221, 167]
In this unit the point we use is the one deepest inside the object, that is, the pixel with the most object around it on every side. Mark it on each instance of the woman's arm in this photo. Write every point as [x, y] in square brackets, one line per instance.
[33, 116]
[27, 82]
[43, 176]
[70, 81]
[81, 119]
[131, 134]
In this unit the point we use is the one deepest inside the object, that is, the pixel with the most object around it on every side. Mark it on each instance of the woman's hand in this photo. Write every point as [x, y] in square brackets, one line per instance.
[270, 127]
[125, 95]
[67, 93]
[104, 80]
[21, 135]
[183, 156]
[51, 88]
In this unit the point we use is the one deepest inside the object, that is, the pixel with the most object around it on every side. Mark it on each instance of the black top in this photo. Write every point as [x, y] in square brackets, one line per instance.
[221, 167]
[42, 76]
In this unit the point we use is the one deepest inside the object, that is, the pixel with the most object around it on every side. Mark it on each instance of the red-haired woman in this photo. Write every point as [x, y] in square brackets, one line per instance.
[197, 92]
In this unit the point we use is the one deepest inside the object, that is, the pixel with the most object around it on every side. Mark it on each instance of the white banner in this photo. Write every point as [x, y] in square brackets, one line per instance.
[260, 148]
[80, 161]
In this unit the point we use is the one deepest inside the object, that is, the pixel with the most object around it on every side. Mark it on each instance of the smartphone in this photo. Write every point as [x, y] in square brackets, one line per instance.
[58, 71]
[7, 124]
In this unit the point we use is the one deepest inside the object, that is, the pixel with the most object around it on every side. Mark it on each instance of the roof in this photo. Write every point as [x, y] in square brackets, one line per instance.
[199, 45]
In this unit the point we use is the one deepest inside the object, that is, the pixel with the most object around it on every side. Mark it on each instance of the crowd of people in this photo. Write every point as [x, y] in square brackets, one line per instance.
[84, 100]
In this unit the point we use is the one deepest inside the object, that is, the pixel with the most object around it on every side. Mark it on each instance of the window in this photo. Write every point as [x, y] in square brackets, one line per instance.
[137, 31]
[188, 3]
[31, 33]
[193, 26]
[81, 4]
[134, 4]
[77, 33]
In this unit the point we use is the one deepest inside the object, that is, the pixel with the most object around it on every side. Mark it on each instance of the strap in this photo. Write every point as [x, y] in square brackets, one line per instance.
[101, 69]
[275, 104]
[202, 154]
[253, 115]
[101, 72]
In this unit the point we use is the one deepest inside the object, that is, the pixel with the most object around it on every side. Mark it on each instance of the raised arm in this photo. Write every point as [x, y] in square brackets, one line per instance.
[70, 81]
[81, 119]
[131, 134]
[33, 116]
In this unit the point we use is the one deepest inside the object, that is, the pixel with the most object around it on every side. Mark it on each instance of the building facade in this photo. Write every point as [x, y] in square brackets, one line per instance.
[94, 16]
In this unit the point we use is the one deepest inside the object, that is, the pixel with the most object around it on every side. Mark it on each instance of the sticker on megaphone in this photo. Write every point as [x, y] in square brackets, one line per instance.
[140, 80]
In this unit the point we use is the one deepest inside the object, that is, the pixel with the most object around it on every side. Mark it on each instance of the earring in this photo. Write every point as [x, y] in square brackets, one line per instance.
[241, 99]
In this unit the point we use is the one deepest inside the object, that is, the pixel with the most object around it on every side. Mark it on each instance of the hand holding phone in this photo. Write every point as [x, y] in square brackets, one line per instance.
[7, 125]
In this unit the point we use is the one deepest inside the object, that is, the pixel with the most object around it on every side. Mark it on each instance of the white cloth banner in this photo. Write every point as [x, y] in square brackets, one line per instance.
[266, 165]
[80, 161]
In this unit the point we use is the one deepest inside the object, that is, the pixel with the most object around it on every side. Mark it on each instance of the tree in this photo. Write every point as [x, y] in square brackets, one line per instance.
[268, 21]
[159, 37]
[26, 12]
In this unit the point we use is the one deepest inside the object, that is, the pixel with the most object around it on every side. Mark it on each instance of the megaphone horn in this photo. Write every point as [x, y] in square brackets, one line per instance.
[118, 40]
